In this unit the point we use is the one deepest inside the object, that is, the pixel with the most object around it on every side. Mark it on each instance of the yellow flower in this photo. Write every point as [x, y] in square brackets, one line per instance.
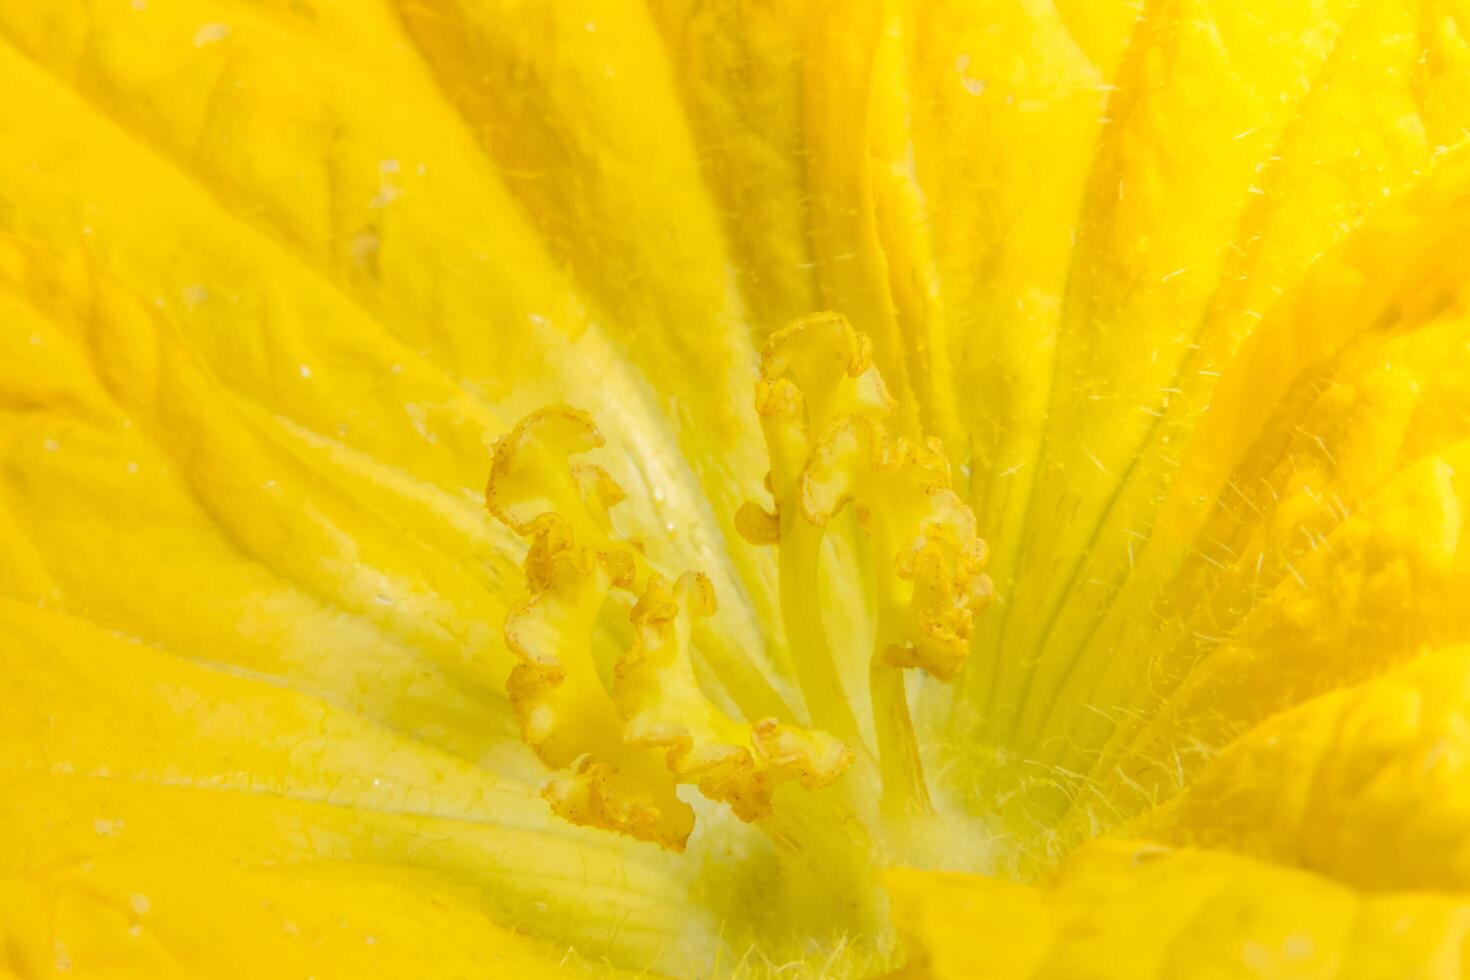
[1103, 612]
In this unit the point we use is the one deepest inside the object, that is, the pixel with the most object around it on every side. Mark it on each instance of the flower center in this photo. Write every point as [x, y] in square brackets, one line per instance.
[606, 686]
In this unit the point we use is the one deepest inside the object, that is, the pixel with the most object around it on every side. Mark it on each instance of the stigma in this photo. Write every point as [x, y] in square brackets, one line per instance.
[616, 711]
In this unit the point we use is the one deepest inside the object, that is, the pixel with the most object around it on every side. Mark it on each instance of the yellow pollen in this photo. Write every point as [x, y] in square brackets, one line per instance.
[619, 742]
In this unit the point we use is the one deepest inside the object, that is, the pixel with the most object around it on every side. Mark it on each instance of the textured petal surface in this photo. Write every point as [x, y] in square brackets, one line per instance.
[1125, 908]
[1365, 784]
[199, 770]
[159, 917]
[1180, 283]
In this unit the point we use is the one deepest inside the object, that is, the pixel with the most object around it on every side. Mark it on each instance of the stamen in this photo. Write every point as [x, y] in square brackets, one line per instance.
[829, 444]
[618, 756]
[565, 714]
[814, 372]
[732, 762]
[927, 562]
[534, 485]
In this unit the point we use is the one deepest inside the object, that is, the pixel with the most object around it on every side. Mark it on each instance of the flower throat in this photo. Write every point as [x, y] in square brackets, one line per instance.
[621, 730]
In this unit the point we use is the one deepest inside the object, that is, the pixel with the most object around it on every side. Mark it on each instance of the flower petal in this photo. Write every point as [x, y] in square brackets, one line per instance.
[1121, 908]
[158, 917]
[204, 768]
[1318, 116]
[1367, 785]
[1329, 549]
[330, 223]
[1311, 533]
[134, 480]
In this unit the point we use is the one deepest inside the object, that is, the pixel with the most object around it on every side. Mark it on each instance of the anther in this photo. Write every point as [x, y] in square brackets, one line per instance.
[617, 756]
